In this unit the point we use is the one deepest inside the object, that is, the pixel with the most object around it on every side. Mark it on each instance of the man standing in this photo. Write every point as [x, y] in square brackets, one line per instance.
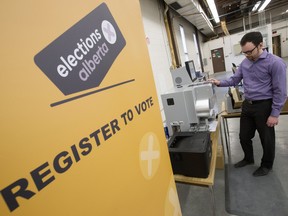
[264, 82]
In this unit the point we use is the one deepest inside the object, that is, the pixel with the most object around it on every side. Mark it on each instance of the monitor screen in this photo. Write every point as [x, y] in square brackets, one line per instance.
[191, 69]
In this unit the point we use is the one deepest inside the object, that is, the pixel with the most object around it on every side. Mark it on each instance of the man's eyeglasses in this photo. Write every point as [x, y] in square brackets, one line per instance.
[249, 52]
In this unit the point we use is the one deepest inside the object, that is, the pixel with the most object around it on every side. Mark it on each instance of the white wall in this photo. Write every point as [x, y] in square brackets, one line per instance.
[228, 43]
[281, 29]
[189, 30]
[158, 46]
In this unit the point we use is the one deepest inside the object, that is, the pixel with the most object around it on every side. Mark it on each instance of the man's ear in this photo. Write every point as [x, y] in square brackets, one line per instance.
[261, 45]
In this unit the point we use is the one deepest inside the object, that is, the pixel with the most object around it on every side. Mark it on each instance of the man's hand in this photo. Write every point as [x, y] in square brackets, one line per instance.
[214, 81]
[272, 121]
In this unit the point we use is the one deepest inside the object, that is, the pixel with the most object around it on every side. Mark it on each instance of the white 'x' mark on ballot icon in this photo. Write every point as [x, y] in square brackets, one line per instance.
[150, 154]
[109, 32]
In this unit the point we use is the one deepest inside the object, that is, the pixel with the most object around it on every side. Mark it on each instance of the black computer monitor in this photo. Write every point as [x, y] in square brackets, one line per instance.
[191, 69]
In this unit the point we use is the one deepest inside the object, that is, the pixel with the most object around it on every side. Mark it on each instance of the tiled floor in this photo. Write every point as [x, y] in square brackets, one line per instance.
[196, 201]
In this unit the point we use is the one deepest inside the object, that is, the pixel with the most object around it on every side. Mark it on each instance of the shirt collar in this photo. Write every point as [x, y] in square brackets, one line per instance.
[263, 54]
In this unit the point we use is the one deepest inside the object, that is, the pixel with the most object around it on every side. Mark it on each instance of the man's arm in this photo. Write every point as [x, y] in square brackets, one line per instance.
[279, 86]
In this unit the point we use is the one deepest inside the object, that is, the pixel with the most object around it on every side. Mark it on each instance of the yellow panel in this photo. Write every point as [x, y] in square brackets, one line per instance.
[92, 155]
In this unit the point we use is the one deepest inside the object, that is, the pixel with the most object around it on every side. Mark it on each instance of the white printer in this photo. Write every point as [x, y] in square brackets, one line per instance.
[188, 105]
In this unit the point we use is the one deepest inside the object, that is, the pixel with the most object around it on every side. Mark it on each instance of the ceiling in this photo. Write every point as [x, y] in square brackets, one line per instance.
[235, 15]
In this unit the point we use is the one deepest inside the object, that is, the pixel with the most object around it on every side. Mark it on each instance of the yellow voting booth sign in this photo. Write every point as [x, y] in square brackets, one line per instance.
[81, 131]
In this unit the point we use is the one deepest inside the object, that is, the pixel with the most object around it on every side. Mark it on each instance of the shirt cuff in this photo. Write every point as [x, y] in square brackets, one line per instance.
[275, 113]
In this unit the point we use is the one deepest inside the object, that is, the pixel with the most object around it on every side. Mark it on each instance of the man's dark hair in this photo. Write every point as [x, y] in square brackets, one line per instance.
[254, 37]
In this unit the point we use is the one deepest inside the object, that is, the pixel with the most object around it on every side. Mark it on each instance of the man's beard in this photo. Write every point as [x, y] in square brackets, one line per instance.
[251, 58]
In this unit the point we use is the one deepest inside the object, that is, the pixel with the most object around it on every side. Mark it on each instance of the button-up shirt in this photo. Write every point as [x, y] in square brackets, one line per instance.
[264, 78]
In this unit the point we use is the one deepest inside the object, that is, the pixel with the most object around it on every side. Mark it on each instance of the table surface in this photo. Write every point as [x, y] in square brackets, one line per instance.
[224, 113]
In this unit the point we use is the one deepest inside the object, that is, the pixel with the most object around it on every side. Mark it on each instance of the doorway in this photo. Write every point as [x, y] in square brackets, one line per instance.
[276, 43]
[218, 60]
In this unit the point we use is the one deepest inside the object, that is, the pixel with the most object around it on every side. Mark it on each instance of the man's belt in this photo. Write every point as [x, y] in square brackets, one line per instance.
[257, 101]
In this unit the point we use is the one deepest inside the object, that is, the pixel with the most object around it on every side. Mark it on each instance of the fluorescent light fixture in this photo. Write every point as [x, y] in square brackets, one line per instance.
[256, 6]
[263, 6]
[214, 11]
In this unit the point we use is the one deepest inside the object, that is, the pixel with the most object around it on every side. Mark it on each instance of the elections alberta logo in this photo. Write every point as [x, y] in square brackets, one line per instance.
[80, 58]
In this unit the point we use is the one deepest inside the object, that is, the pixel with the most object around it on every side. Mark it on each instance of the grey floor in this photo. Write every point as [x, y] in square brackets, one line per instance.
[196, 201]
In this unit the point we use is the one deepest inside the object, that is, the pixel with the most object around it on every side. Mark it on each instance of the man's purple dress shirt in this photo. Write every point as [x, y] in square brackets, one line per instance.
[264, 78]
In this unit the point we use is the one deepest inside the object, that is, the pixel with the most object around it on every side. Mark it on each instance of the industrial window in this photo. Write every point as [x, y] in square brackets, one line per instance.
[197, 51]
[183, 39]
